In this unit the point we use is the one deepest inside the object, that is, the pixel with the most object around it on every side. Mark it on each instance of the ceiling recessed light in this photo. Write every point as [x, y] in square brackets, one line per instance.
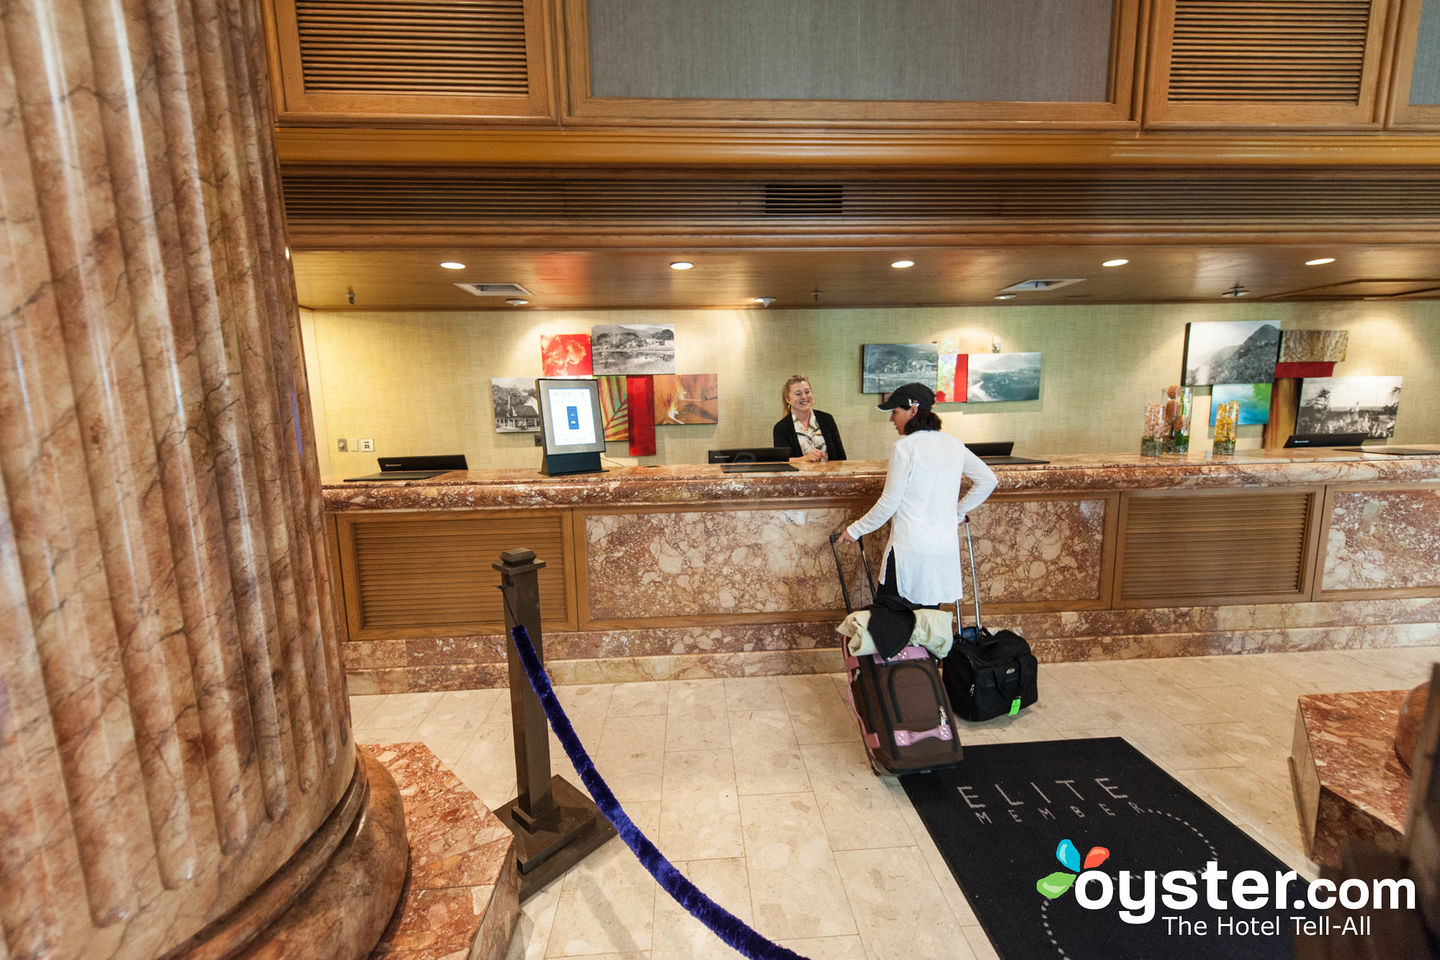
[453, 265]
[902, 264]
[1117, 262]
[1318, 261]
[287, 253]
[1004, 296]
[517, 301]
[681, 265]
[764, 301]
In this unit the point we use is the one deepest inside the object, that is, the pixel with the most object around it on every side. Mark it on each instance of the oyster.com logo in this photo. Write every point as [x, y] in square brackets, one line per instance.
[1057, 883]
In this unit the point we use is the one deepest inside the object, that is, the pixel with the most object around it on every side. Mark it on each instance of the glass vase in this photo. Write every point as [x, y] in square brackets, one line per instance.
[1176, 402]
[1227, 421]
[1153, 432]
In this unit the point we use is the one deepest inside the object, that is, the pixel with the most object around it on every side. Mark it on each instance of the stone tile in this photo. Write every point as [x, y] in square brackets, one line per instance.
[858, 809]
[699, 809]
[678, 935]
[886, 890]
[818, 710]
[785, 839]
[607, 901]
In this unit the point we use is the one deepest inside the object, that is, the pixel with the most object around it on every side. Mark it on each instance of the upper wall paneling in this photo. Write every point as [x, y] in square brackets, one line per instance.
[1415, 91]
[943, 62]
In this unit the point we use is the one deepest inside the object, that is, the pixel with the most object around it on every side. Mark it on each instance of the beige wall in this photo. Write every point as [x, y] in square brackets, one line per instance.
[419, 383]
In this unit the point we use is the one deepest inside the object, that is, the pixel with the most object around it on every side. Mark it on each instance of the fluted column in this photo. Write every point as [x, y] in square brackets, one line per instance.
[173, 720]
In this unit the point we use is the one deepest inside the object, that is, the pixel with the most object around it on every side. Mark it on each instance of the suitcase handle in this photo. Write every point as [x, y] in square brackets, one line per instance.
[840, 571]
[974, 583]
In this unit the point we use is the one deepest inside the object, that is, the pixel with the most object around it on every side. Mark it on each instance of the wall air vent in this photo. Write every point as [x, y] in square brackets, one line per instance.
[495, 289]
[1032, 286]
[804, 199]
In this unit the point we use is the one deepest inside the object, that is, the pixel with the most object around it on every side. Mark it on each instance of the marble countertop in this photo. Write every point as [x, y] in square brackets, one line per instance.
[485, 489]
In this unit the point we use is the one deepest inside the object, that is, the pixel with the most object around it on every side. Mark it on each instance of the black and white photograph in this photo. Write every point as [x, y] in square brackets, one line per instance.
[632, 348]
[517, 406]
[1238, 351]
[1349, 405]
[1003, 376]
[886, 366]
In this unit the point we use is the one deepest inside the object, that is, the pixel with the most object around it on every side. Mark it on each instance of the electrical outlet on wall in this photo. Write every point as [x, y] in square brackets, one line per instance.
[341, 446]
[367, 445]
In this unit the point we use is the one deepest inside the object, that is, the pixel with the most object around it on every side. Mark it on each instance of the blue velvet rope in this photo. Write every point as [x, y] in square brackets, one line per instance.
[724, 924]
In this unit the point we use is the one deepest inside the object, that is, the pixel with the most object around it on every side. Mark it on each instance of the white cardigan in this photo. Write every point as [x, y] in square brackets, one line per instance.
[922, 494]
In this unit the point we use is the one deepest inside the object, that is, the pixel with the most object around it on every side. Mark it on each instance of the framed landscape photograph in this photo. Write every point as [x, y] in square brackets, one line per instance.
[1239, 351]
[993, 377]
[632, 348]
[517, 407]
[1349, 405]
[885, 366]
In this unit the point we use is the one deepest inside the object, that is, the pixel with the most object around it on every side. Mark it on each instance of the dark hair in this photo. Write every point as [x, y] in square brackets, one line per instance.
[924, 419]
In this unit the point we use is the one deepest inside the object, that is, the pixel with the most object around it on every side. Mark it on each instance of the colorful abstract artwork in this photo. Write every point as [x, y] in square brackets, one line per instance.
[638, 392]
[1254, 400]
[614, 408]
[951, 380]
[565, 355]
[1238, 351]
[686, 398]
[994, 377]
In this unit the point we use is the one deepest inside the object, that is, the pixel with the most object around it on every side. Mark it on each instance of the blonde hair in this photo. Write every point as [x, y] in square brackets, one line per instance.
[785, 390]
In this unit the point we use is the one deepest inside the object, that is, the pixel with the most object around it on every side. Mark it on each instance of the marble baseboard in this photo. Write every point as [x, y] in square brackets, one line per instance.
[1349, 785]
[462, 894]
[730, 650]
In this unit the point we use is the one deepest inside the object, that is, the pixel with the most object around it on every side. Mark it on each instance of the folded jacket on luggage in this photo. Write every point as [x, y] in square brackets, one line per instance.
[933, 631]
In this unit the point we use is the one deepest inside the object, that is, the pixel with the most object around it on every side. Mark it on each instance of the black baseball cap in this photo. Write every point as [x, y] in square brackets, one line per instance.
[909, 395]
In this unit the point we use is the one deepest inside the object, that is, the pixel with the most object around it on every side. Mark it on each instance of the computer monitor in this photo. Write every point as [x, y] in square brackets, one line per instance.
[1326, 439]
[573, 425]
[750, 455]
[998, 448]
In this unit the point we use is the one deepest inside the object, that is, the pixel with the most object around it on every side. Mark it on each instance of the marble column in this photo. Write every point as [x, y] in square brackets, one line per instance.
[176, 765]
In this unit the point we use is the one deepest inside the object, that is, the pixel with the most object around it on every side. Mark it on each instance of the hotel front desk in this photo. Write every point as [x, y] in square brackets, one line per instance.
[678, 572]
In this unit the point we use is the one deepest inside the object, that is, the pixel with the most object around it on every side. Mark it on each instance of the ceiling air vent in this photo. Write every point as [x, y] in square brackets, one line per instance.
[804, 199]
[495, 289]
[1030, 286]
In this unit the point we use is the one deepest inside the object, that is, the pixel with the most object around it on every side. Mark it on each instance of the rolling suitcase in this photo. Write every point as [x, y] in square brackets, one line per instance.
[987, 674]
[900, 704]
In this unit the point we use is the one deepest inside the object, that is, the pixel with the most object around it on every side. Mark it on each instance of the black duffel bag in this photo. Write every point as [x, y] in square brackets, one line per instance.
[988, 674]
[991, 676]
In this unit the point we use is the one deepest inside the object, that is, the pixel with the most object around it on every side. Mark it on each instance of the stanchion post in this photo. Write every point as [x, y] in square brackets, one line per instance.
[555, 824]
[520, 582]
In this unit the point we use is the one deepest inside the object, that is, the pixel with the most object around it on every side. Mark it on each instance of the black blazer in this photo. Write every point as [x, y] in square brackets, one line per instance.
[784, 435]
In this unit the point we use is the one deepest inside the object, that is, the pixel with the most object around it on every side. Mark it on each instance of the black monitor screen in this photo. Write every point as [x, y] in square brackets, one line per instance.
[1000, 448]
[448, 461]
[1326, 439]
[750, 455]
[570, 416]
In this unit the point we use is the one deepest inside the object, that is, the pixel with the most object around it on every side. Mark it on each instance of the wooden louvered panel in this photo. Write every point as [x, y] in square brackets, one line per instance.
[1267, 63]
[421, 47]
[1180, 549]
[434, 575]
[312, 198]
[1282, 50]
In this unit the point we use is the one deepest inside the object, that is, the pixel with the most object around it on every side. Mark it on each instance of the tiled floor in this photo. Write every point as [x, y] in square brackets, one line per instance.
[753, 788]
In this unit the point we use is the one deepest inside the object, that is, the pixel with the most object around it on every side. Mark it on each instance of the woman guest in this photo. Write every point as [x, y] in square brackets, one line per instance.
[809, 433]
[922, 495]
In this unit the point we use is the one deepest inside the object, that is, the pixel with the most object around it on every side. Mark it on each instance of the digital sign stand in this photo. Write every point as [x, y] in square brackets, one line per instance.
[573, 425]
